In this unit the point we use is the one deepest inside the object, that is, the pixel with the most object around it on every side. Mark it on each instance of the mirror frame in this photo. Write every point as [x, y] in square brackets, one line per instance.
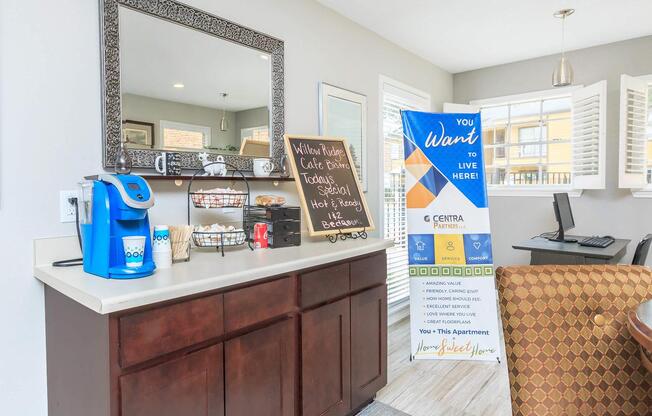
[209, 24]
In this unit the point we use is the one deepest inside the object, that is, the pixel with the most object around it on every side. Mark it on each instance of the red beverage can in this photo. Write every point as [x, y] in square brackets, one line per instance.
[260, 235]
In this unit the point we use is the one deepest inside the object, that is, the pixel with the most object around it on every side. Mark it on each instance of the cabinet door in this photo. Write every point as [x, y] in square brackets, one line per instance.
[326, 360]
[192, 385]
[260, 371]
[368, 344]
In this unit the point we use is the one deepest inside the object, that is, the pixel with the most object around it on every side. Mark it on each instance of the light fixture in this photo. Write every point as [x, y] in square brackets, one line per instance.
[563, 73]
[224, 123]
[178, 85]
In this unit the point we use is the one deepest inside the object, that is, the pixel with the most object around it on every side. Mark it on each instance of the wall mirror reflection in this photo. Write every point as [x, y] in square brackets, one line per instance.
[224, 95]
[213, 97]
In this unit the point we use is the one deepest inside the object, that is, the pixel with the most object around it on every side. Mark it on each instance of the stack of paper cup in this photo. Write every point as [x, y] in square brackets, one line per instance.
[161, 247]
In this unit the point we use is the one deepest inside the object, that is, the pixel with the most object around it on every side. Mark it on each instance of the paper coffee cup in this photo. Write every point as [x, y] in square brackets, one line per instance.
[162, 259]
[134, 249]
[161, 238]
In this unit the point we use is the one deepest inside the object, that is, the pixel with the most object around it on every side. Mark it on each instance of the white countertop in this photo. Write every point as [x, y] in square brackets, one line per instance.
[205, 271]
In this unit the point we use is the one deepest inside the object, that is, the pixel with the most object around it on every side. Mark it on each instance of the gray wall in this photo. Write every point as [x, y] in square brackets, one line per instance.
[254, 117]
[611, 211]
[152, 110]
[50, 117]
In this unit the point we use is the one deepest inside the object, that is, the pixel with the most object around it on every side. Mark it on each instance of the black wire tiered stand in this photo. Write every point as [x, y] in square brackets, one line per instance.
[220, 200]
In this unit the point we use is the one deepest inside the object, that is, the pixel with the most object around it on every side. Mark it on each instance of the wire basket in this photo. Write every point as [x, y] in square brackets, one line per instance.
[216, 239]
[218, 200]
[219, 239]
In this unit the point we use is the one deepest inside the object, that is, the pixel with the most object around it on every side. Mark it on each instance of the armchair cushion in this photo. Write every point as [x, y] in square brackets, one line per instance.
[568, 348]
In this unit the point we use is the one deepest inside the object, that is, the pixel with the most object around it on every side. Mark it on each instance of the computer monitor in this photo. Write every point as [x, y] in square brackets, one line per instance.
[564, 216]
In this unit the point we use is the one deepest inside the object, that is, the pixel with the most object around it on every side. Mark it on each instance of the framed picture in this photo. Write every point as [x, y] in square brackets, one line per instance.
[343, 113]
[138, 134]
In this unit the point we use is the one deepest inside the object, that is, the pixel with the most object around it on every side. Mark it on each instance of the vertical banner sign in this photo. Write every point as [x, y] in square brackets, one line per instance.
[453, 312]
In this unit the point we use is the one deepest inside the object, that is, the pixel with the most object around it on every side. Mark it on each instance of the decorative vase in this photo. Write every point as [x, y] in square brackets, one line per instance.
[122, 161]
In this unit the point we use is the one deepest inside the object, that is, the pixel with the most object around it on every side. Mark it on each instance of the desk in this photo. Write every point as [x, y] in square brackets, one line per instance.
[640, 326]
[544, 251]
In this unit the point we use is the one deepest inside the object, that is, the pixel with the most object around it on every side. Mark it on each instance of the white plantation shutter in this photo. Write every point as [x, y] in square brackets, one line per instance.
[460, 108]
[633, 135]
[589, 136]
[395, 99]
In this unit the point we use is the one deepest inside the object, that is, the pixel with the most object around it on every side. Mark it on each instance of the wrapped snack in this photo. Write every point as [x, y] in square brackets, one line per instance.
[269, 200]
[215, 235]
[218, 198]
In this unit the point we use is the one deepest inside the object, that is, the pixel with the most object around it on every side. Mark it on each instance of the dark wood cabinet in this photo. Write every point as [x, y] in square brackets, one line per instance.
[260, 371]
[326, 360]
[344, 342]
[368, 344]
[312, 342]
[191, 385]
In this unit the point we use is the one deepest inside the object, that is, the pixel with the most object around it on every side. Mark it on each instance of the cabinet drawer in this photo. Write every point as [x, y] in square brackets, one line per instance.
[148, 334]
[286, 240]
[324, 284]
[368, 272]
[248, 306]
[282, 228]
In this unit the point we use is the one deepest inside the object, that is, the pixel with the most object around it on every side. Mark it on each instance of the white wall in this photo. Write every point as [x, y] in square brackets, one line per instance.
[611, 211]
[50, 130]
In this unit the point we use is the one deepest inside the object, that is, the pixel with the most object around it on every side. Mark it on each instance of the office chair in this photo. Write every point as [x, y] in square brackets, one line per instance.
[643, 247]
[568, 348]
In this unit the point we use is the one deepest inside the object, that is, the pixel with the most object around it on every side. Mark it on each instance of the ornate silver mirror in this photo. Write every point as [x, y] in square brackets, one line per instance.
[178, 79]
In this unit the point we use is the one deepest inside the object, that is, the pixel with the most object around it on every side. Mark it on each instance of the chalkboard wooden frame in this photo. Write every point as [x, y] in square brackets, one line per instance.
[304, 204]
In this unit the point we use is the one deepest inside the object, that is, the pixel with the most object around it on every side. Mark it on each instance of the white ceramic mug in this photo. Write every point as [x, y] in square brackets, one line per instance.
[263, 167]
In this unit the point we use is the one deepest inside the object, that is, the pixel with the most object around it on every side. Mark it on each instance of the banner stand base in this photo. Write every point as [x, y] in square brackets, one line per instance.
[333, 238]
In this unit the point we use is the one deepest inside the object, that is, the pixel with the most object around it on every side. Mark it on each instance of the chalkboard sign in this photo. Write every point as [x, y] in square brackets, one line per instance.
[328, 185]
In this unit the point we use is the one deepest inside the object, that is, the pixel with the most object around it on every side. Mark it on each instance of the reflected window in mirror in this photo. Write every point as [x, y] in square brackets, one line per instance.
[260, 133]
[177, 136]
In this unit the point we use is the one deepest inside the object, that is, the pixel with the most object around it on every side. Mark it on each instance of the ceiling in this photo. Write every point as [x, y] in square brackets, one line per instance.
[461, 35]
[156, 54]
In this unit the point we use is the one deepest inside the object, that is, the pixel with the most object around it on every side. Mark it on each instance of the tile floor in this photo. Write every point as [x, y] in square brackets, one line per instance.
[438, 387]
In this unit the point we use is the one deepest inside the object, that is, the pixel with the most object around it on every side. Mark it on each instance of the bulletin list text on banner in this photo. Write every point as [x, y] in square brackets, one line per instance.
[453, 311]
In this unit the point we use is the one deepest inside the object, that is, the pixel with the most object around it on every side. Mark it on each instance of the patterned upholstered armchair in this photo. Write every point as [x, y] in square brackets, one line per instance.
[568, 348]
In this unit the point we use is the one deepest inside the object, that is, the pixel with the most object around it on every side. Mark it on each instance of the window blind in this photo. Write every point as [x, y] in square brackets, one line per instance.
[633, 132]
[394, 100]
[589, 136]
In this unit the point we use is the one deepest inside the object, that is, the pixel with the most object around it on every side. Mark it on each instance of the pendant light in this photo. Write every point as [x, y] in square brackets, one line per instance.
[224, 123]
[563, 73]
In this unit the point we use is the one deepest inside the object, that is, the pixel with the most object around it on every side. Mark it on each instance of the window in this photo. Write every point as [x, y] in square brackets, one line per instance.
[544, 141]
[396, 97]
[531, 135]
[518, 149]
[184, 136]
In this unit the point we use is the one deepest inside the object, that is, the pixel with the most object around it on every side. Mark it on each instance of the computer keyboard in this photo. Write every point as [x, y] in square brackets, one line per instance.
[600, 242]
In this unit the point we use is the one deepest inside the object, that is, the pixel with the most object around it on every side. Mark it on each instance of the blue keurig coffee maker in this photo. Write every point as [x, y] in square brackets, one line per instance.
[113, 206]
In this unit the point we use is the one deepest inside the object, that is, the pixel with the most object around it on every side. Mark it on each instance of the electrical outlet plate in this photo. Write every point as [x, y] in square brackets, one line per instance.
[66, 209]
